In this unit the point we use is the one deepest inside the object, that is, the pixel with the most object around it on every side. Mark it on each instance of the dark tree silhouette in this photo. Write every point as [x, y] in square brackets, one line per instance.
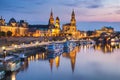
[2, 33]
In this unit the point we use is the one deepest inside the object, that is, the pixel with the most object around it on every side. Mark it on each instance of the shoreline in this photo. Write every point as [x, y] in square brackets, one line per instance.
[7, 41]
[15, 43]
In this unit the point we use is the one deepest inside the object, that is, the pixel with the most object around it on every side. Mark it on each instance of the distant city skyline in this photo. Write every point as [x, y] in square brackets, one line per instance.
[38, 11]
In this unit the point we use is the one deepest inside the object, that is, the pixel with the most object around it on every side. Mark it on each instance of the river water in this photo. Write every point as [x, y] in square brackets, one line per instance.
[89, 62]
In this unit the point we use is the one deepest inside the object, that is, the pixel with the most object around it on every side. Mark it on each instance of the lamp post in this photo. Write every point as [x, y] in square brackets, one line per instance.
[15, 47]
[4, 51]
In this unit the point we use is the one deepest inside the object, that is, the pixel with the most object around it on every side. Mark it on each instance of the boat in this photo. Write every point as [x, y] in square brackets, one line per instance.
[2, 71]
[54, 47]
[69, 46]
[53, 55]
[11, 63]
[22, 56]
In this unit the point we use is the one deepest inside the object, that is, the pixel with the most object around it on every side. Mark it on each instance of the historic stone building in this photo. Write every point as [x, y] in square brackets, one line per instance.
[69, 30]
[54, 27]
[51, 29]
[104, 30]
[17, 28]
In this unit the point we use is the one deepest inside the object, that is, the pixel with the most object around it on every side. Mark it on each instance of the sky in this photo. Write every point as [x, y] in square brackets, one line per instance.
[38, 11]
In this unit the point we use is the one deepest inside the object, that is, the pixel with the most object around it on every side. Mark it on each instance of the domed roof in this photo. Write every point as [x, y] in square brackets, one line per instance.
[57, 18]
[12, 20]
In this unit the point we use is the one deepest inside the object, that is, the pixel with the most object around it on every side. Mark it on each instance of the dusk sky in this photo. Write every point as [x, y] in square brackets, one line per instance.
[38, 11]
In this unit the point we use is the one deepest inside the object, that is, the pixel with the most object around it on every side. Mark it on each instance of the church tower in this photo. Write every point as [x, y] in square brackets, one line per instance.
[2, 21]
[51, 20]
[73, 20]
[57, 24]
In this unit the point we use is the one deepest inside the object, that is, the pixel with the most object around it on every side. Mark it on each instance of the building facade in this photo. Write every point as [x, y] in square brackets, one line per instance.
[54, 26]
[69, 30]
[51, 29]
[17, 28]
[104, 30]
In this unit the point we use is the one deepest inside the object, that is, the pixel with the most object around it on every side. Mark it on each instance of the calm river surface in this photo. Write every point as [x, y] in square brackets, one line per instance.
[99, 62]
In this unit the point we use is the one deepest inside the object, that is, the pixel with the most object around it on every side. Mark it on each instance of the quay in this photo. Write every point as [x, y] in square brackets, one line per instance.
[25, 46]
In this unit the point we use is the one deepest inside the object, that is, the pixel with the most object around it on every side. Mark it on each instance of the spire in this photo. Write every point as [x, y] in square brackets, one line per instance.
[51, 64]
[51, 14]
[57, 22]
[57, 60]
[51, 20]
[73, 60]
[73, 20]
[73, 13]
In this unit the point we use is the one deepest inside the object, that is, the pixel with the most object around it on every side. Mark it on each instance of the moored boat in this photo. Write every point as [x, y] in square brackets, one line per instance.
[2, 71]
[22, 56]
[11, 63]
[54, 47]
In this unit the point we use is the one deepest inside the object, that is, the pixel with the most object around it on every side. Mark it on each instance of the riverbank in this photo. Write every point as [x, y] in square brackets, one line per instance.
[24, 42]
[6, 41]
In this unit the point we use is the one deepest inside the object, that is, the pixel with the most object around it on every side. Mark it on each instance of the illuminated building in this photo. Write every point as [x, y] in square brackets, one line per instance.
[70, 29]
[52, 29]
[17, 28]
[51, 20]
[107, 30]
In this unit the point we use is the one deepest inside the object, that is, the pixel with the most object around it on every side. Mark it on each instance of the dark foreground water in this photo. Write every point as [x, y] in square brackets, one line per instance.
[100, 62]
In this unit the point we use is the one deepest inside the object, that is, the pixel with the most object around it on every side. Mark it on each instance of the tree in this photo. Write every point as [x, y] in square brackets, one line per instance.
[9, 33]
[2, 33]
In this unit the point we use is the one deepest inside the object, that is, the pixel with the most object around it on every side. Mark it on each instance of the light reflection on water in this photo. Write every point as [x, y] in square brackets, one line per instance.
[98, 62]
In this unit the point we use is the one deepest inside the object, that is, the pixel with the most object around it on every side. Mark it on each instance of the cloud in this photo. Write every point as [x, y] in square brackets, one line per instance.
[117, 12]
[36, 2]
[20, 5]
[83, 3]
[108, 13]
[94, 6]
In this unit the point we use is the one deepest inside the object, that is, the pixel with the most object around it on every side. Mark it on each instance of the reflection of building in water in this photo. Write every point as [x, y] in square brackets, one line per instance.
[104, 48]
[115, 45]
[42, 56]
[72, 57]
[57, 62]
[36, 57]
[51, 63]
[24, 66]
[11, 76]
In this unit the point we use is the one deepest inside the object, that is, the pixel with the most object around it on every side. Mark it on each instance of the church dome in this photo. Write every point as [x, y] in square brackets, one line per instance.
[57, 18]
[12, 20]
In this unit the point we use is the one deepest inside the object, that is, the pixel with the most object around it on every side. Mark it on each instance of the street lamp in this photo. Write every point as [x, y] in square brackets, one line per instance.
[3, 48]
[4, 51]
[15, 47]
[37, 43]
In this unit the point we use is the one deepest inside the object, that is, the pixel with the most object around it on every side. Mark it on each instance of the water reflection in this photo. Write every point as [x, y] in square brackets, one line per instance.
[57, 61]
[107, 48]
[72, 56]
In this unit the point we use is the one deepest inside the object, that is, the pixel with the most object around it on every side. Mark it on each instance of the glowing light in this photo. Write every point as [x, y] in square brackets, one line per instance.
[15, 46]
[3, 48]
